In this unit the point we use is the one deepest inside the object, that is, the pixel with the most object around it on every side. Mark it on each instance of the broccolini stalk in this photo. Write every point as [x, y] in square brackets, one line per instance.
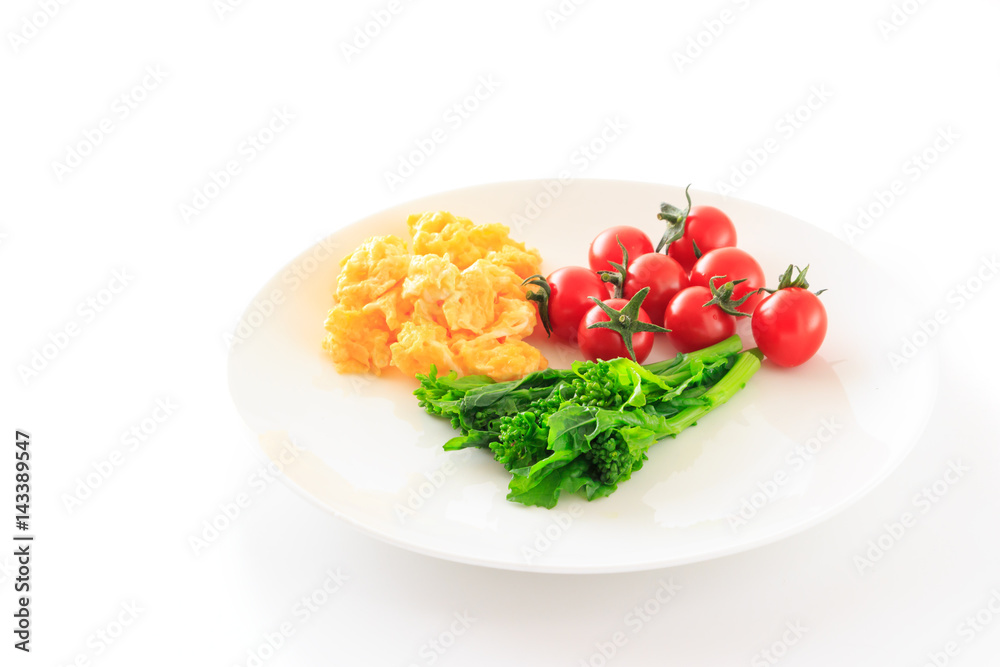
[747, 364]
[726, 348]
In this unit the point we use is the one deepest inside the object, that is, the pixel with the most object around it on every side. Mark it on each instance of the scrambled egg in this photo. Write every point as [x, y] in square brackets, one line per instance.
[455, 301]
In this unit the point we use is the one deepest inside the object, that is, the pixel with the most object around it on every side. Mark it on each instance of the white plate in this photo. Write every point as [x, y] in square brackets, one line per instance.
[370, 455]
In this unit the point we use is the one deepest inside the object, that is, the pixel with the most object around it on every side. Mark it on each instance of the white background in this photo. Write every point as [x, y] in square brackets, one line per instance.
[63, 235]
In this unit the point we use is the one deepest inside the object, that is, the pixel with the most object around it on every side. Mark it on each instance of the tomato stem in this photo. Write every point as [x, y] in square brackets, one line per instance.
[785, 280]
[675, 219]
[722, 296]
[540, 298]
[626, 322]
[620, 274]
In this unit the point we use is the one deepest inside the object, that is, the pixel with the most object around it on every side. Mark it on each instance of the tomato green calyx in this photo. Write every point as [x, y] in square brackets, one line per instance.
[618, 276]
[675, 219]
[785, 280]
[722, 296]
[541, 299]
[626, 321]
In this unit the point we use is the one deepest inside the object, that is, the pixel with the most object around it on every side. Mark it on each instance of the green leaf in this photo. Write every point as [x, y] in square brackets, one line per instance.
[545, 492]
[571, 428]
[487, 395]
[473, 439]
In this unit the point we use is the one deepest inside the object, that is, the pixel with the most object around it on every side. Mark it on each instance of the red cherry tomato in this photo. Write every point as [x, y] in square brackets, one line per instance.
[572, 287]
[694, 326]
[731, 264]
[662, 275]
[789, 326]
[606, 344]
[605, 250]
[707, 226]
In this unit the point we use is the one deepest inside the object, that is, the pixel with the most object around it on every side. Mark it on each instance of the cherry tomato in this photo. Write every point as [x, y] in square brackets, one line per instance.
[572, 287]
[693, 326]
[606, 344]
[605, 250]
[662, 275]
[731, 264]
[789, 326]
[707, 226]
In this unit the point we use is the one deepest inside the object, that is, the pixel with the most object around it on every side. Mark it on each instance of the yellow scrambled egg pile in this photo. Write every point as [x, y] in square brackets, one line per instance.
[455, 301]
